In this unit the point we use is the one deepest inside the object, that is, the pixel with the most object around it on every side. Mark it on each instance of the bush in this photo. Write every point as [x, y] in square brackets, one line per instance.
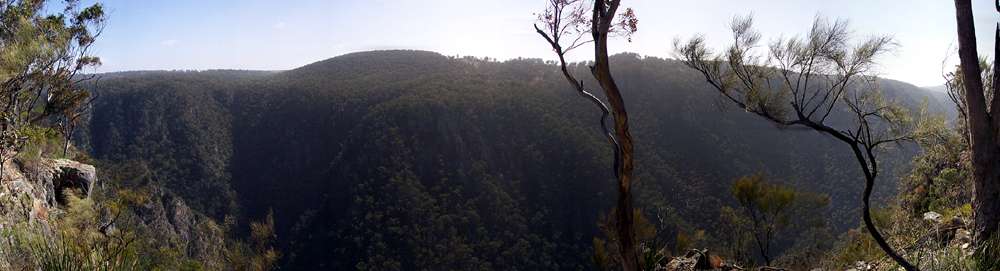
[76, 242]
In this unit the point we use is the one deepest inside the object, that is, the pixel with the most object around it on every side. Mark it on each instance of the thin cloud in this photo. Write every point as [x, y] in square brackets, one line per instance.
[169, 43]
[279, 25]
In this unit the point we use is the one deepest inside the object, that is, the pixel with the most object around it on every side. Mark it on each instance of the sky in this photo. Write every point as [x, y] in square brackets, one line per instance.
[281, 35]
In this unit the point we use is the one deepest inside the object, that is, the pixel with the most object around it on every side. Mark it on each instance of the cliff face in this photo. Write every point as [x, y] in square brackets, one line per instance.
[35, 197]
[169, 220]
[30, 190]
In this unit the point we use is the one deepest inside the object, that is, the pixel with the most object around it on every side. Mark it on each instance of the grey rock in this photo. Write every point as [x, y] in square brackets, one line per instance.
[31, 189]
[68, 175]
[962, 236]
[932, 217]
[168, 218]
[53, 178]
[682, 264]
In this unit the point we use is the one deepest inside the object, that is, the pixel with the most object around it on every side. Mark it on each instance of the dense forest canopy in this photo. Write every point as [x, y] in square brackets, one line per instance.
[411, 159]
[772, 153]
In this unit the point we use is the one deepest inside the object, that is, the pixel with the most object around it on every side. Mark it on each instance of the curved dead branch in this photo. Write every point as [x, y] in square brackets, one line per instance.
[578, 86]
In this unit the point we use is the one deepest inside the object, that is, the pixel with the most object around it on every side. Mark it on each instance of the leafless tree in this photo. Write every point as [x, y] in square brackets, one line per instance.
[982, 116]
[801, 82]
[568, 25]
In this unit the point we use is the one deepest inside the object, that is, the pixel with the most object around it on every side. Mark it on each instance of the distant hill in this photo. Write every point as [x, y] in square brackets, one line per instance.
[940, 93]
[940, 88]
[414, 160]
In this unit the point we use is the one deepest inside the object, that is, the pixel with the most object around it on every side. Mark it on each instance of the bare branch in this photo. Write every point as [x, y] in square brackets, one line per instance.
[558, 23]
[820, 74]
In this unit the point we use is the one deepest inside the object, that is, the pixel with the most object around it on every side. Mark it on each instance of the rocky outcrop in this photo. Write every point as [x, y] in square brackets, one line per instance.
[167, 218]
[953, 232]
[697, 259]
[63, 176]
[31, 189]
[35, 190]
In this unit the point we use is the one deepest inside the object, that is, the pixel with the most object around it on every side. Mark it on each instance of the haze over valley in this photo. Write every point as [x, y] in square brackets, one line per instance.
[509, 135]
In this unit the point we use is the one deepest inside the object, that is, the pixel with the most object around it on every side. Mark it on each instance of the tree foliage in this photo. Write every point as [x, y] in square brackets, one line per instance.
[442, 149]
[769, 213]
[767, 207]
[800, 82]
[40, 58]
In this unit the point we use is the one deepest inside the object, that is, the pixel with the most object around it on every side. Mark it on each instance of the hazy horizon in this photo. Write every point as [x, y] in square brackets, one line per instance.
[274, 36]
[458, 135]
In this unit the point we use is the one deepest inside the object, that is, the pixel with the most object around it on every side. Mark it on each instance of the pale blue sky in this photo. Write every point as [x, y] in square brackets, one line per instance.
[278, 35]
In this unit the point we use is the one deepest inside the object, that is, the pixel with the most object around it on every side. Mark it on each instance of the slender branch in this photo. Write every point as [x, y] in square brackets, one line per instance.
[578, 86]
[825, 52]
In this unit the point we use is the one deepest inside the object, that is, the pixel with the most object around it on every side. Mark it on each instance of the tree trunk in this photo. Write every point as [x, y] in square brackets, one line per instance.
[866, 213]
[763, 250]
[870, 172]
[985, 151]
[626, 235]
[624, 164]
[986, 176]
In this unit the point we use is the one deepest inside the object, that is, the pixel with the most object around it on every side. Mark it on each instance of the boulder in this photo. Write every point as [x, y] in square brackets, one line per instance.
[862, 266]
[932, 217]
[682, 264]
[699, 260]
[962, 239]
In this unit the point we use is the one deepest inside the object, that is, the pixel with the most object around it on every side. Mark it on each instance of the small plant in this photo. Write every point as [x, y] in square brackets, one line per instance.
[986, 255]
[77, 243]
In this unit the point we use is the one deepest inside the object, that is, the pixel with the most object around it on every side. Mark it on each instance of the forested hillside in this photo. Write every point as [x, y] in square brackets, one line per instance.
[414, 160]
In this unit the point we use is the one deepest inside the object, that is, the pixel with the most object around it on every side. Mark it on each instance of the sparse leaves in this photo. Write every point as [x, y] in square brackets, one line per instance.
[568, 24]
[802, 81]
[627, 24]
[566, 17]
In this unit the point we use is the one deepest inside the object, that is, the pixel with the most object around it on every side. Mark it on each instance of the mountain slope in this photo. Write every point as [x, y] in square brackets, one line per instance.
[406, 159]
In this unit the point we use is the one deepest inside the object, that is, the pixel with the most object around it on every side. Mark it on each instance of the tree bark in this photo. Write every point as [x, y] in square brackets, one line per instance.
[866, 214]
[625, 164]
[982, 130]
[603, 14]
[869, 166]
[603, 17]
